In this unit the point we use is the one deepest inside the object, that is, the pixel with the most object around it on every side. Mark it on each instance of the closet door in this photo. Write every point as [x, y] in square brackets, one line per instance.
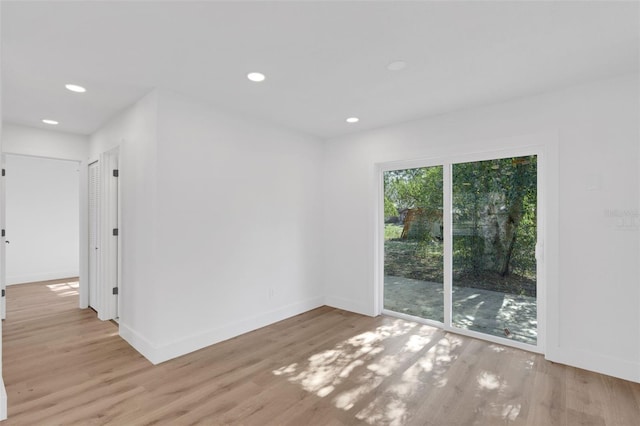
[94, 220]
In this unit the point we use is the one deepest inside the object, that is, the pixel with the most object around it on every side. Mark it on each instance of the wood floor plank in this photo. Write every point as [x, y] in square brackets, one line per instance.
[62, 366]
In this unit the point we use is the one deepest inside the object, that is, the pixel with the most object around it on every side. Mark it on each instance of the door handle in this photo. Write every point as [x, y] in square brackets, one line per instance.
[7, 241]
[539, 251]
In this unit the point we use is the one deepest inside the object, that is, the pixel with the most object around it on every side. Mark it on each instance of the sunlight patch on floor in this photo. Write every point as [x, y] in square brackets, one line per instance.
[488, 381]
[354, 370]
[347, 399]
[393, 413]
[65, 289]
[355, 373]
[511, 411]
[424, 374]
[329, 368]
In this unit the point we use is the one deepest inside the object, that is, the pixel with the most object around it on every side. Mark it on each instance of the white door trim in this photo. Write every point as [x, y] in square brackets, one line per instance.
[83, 226]
[3, 239]
[108, 269]
[91, 297]
[545, 147]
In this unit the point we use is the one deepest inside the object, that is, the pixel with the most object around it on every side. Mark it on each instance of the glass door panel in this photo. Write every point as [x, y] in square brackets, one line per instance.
[413, 242]
[494, 207]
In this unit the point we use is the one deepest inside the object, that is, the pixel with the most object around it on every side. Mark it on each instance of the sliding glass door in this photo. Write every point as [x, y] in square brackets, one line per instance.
[494, 205]
[413, 242]
[478, 218]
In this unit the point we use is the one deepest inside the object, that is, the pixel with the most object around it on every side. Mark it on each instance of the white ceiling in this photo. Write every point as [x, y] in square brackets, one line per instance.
[324, 61]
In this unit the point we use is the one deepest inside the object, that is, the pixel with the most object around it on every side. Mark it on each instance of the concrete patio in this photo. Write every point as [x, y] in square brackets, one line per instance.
[484, 311]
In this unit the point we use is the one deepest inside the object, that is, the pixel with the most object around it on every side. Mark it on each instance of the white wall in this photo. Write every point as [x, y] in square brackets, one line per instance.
[240, 211]
[36, 142]
[594, 315]
[221, 224]
[42, 208]
[134, 132]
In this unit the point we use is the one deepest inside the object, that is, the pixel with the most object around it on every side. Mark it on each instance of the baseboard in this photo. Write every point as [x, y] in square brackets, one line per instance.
[157, 354]
[349, 305]
[3, 401]
[138, 342]
[602, 364]
[47, 276]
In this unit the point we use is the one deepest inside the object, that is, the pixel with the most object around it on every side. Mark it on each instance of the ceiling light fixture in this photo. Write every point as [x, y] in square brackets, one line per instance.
[352, 120]
[396, 65]
[48, 121]
[75, 88]
[256, 76]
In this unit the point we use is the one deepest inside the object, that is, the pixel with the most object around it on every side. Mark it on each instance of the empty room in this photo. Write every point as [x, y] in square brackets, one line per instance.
[320, 212]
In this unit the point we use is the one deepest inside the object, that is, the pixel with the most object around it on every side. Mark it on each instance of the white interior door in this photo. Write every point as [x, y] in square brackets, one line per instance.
[107, 235]
[110, 217]
[94, 216]
[3, 262]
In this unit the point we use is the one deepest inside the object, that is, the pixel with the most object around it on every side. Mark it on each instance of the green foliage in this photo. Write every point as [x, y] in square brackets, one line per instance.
[524, 258]
[391, 231]
[390, 209]
[494, 212]
[494, 204]
[468, 254]
[412, 188]
[419, 188]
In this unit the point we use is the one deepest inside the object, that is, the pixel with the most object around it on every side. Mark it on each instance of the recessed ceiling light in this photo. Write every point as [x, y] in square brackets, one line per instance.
[47, 121]
[353, 120]
[396, 65]
[256, 76]
[75, 88]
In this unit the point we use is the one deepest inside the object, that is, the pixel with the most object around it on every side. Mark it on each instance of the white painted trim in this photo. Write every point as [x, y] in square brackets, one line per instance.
[447, 234]
[551, 246]
[83, 247]
[47, 276]
[119, 298]
[378, 239]
[545, 146]
[351, 306]
[161, 353]
[3, 245]
[610, 366]
[108, 220]
[3, 401]
[138, 342]
[547, 219]
[464, 332]
[91, 294]
[407, 317]
[83, 264]
[43, 157]
[3, 391]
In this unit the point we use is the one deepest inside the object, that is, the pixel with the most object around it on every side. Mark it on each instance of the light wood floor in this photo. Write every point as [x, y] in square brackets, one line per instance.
[325, 367]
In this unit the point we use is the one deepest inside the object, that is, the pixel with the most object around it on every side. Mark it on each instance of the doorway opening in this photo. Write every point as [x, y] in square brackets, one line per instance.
[49, 223]
[41, 222]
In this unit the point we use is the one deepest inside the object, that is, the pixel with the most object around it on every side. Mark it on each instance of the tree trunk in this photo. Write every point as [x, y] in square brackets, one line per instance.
[515, 200]
[511, 228]
[501, 218]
